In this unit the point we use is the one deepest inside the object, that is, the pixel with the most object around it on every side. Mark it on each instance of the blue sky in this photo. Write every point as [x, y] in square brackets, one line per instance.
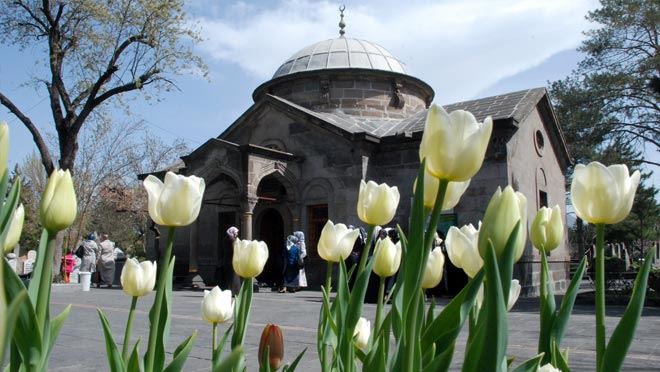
[463, 49]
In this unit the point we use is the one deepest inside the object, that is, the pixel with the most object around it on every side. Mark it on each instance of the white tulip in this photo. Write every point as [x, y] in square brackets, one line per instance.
[362, 333]
[603, 195]
[336, 241]
[387, 257]
[217, 305]
[454, 144]
[138, 278]
[249, 258]
[504, 211]
[177, 201]
[377, 203]
[452, 196]
[434, 267]
[462, 249]
[547, 229]
[514, 293]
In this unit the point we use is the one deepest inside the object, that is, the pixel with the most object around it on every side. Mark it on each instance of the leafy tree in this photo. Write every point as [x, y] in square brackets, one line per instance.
[96, 52]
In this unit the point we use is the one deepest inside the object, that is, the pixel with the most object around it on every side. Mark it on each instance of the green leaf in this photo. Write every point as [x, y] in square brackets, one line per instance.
[11, 317]
[133, 363]
[292, 367]
[162, 332]
[487, 349]
[112, 352]
[231, 362]
[243, 304]
[547, 311]
[55, 328]
[566, 308]
[33, 289]
[559, 359]
[4, 183]
[505, 264]
[181, 354]
[217, 353]
[444, 329]
[530, 365]
[9, 206]
[624, 332]
[264, 363]
[27, 335]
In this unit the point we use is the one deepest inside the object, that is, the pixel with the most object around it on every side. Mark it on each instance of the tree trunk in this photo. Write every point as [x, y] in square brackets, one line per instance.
[57, 259]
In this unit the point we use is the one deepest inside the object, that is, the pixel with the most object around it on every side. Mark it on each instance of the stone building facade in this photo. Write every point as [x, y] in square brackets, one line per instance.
[340, 111]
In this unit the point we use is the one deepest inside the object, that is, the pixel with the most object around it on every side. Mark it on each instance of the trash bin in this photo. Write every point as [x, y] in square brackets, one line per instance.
[85, 280]
[119, 266]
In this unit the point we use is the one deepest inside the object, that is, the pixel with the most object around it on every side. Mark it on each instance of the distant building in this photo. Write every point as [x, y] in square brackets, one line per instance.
[342, 110]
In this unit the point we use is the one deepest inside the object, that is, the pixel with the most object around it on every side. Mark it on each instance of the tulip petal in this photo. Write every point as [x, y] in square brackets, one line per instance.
[154, 188]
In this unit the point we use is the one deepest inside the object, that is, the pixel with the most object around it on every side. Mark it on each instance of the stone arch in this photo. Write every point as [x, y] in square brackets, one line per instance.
[541, 188]
[315, 189]
[280, 171]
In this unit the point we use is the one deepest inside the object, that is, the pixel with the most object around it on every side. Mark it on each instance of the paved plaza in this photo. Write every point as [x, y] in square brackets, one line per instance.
[80, 346]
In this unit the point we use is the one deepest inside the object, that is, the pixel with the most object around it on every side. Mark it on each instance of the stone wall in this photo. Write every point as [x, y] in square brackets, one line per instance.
[372, 97]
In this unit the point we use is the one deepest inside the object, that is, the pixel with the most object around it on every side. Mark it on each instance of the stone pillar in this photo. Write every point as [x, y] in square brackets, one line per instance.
[247, 206]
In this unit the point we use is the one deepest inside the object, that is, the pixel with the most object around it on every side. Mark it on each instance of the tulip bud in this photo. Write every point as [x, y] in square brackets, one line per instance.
[377, 203]
[452, 196]
[387, 257]
[15, 227]
[434, 266]
[138, 278]
[547, 229]
[514, 293]
[217, 305]
[362, 333]
[603, 195]
[272, 338]
[548, 368]
[249, 258]
[177, 201]
[336, 241]
[454, 144]
[4, 147]
[504, 211]
[58, 204]
[463, 250]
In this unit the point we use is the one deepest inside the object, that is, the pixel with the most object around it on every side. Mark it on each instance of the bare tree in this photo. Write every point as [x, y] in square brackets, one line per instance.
[96, 51]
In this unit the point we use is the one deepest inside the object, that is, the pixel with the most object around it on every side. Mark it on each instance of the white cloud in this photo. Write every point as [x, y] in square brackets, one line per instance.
[458, 47]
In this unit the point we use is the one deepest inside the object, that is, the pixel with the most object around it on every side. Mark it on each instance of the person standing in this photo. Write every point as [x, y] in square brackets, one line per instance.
[90, 249]
[106, 262]
[68, 262]
[291, 268]
[229, 279]
[302, 279]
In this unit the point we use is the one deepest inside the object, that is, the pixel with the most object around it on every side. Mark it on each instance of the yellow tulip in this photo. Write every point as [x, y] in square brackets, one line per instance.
[434, 266]
[58, 204]
[249, 258]
[138, 278]
[454, 144]
[387, 257]
[217, 305]
[452, 196]
[4, 147]
[377, 203]
[504, 211]
[463, 250]
[177, 201]
[547, 229]
[603, 195]
[336, 241]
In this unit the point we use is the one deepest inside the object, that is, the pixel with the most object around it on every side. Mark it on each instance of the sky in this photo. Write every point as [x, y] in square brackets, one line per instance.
[463, 49]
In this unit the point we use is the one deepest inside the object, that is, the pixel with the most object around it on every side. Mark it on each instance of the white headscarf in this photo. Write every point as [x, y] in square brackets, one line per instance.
[232, 232]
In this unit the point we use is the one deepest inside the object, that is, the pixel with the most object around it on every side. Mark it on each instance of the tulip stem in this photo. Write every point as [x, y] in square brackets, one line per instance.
[214, 337]
[379, 306]
[45, 279]
[435, 216]
[127, 333]
[600, 296]
[365, 251]
[328, 279]
[158, 302]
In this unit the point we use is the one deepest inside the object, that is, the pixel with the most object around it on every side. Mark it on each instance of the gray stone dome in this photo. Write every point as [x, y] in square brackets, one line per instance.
[341, 52]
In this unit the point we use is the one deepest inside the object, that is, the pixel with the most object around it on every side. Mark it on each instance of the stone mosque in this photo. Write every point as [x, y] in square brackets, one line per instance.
[342, 110]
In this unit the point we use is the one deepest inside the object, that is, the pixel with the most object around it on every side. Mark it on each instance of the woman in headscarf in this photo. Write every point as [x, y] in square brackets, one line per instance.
[291, 267]
[106, 262]
[302, 280]
[90, 249]
[229, 279]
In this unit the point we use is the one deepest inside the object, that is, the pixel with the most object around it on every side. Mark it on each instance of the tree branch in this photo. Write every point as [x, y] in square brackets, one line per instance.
[38, 140]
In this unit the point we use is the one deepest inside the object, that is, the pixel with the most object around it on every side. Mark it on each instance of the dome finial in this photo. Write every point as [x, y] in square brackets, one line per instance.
[341, 20]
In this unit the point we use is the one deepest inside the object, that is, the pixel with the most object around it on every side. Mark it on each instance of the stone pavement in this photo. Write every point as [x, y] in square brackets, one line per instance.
[81, 347]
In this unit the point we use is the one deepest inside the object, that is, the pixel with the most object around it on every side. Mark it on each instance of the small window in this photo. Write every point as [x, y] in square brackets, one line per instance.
[543, 199]
[539, 142]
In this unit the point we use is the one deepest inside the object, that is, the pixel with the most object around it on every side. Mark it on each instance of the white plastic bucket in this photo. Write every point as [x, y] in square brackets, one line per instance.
[85, 280]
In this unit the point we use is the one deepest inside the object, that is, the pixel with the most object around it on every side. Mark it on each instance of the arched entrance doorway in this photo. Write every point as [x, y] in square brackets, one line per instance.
[271, 231]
